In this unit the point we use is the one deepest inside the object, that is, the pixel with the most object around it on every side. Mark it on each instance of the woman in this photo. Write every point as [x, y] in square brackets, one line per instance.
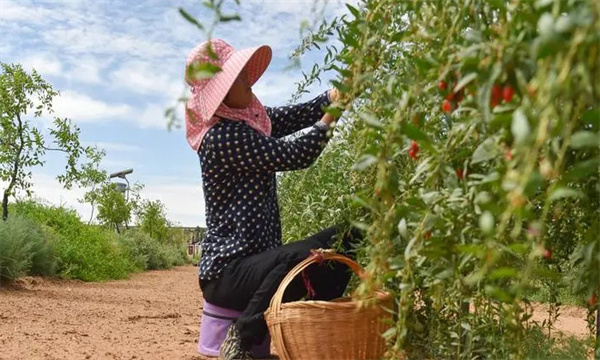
[240, 148]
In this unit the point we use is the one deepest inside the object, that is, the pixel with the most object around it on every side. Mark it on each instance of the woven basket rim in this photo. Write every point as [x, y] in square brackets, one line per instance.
[382, 298]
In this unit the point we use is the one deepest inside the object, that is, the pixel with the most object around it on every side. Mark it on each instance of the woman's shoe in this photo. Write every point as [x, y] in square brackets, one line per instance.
[232, 349]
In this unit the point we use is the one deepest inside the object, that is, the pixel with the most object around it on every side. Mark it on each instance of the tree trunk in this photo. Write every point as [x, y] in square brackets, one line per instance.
[15, 171]
[5, 205]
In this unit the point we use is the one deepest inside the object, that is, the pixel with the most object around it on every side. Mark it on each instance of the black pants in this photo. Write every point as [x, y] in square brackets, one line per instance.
[248, 284]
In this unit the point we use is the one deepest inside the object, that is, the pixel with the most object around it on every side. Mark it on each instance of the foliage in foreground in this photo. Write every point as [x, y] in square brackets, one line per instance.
[478, 131]
[482, 125]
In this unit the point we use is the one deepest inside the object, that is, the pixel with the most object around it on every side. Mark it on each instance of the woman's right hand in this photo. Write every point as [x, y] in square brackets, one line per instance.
[328, 119]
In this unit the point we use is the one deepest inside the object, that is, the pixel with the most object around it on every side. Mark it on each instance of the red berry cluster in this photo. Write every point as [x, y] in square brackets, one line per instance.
[452, 99]
[547, 254]
[500, 93]
[414, 150]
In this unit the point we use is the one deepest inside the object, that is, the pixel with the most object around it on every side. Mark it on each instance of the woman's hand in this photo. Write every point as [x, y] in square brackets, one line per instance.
[334, 95]
[328, 119]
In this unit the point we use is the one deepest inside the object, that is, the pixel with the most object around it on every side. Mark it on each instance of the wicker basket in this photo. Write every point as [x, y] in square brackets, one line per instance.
[328, 330]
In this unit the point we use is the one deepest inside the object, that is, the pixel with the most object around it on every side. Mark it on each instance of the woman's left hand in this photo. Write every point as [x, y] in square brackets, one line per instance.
[334, 95]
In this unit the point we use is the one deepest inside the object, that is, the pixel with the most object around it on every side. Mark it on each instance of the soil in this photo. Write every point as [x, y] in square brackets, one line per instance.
[151, 316]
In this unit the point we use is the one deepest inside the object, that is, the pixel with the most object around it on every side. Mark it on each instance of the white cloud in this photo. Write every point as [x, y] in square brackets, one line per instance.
[153, 116]
[100, 41]
[85, 69]
[44, 64]
[147, 77]
[47, 188]
[116, 147]
[14, 11]
[184, 201]
[275, 88]
[288, 6]
[82, 108]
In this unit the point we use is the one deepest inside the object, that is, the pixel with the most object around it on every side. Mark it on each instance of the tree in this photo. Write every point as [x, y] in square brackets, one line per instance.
[152, 219]
[22, 144]
[113, 208]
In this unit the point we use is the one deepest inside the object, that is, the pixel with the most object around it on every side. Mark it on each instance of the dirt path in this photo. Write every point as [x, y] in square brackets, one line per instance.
[152, 316]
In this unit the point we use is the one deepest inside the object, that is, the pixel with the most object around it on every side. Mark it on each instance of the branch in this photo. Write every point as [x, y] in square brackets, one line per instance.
[54, 149]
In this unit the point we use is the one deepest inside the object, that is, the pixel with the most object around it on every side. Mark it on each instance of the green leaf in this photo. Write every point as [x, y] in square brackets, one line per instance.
[191, 19]
[582, 169]
[582, 139]
[227, 18]
[565, 192]
[333, 110]
[486, 223]
[545, 25]
[353, 10]
[520, 126]
[389, 333]
[487, 150]
[592, 117]
[539, 4]
[365, 162]
[415, 133]
[465, 81]
[503, 273]
[498, 293]
[371, 120]
[205, 70]
[403, 229]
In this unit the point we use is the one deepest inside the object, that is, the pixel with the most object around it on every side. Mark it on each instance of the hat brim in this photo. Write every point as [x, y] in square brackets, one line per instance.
[255, 60]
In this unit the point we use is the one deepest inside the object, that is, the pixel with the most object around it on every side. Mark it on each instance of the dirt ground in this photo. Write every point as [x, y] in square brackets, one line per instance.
[152, 316]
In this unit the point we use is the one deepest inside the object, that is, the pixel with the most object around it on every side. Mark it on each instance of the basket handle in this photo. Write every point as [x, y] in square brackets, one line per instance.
[318, 255]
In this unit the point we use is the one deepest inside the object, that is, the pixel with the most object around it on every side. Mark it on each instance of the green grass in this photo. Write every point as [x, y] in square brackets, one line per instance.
[540, 347]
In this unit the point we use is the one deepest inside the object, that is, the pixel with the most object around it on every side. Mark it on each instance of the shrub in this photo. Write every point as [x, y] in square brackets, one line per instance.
[146, 247]
[93, 254]
[482, 130]
[178, 255]
[155, 254]
[306, 208]
[83, 252]
[24, 249]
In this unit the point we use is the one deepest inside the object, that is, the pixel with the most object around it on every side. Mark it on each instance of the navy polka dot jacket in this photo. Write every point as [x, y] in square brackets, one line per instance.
[238, 174]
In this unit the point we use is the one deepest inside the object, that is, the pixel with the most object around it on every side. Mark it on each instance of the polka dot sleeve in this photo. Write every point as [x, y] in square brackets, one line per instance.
[235, 145]
[286, 120]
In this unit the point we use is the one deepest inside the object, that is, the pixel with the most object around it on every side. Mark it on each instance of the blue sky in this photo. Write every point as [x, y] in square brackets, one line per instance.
[119, 64]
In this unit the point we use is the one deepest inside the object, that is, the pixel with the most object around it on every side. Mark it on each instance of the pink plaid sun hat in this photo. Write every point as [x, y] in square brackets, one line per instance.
[207, 95]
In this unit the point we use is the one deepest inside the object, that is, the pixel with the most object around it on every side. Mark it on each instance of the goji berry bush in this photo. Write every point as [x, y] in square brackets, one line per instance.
[475, 124]
[469, 152]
